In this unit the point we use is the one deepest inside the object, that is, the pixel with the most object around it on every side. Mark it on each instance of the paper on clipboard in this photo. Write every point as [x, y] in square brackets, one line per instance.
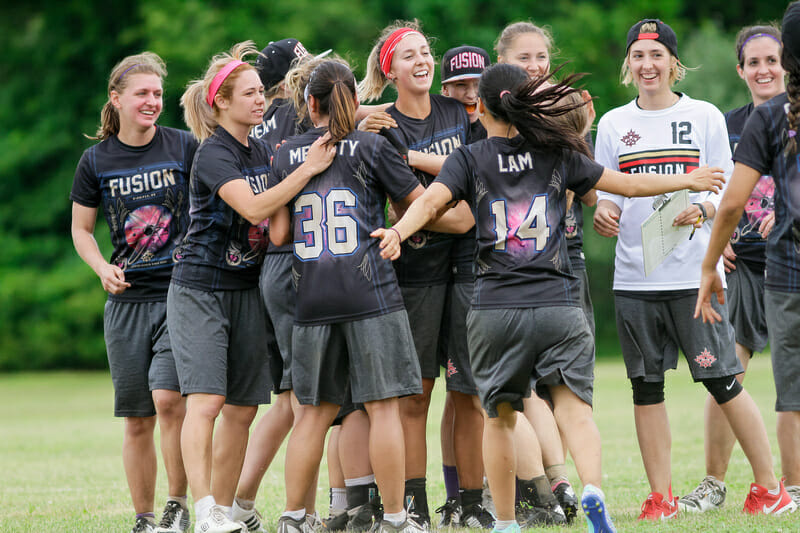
[659, 236]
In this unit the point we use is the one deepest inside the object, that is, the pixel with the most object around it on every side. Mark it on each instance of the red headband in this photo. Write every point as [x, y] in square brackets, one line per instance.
[220, 78]
[387, 50]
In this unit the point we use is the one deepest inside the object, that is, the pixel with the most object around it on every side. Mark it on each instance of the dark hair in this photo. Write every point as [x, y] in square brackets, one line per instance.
[532, 105]
[792, 67]
[748, 32]
[334, 87]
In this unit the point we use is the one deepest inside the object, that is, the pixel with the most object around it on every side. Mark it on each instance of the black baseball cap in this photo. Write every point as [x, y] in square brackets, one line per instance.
[463, 63]
[276, 60]
[663, 34]
[790, 30]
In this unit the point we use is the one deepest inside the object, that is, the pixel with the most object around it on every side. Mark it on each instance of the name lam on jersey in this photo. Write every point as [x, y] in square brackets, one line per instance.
[514, 162]
[678, 161]
[139, 183]
[344, 147]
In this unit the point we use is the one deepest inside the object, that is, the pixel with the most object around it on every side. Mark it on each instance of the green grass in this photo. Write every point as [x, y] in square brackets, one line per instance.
[62, 470]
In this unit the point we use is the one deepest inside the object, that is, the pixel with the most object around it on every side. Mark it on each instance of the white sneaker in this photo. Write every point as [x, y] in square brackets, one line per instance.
[794, 492]
[218, 522]
[409, 526]
[251, 518]
[314, 522]
[175, 518]
[287, 524]
[708, 496]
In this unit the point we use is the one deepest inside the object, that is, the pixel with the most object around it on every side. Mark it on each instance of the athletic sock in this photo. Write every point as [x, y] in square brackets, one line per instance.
[395, 519]
[470, 497]
[537, 491]
[450, 481]
[556, 474]
[183, 500]
[227, 510]
[500, 525]
[300, 514]
[417, 497]
[203, 506]
[150, 517]
[246, 505]
[360, 490]
[338, 501]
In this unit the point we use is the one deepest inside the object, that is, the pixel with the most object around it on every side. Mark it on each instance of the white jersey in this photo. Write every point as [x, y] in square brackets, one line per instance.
[674, 140]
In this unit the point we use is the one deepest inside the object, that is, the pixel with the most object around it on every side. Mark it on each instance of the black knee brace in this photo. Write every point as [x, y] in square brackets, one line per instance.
[647, 393]
[723, 389]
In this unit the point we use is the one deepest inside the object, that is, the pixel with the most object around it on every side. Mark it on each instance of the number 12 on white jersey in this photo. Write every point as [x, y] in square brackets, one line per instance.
[533, 226]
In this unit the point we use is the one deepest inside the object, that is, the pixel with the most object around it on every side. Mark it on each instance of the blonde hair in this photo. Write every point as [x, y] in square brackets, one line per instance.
[577, 118]
[506, 38]
[676, 73]
[375, 81]
[297, 79]
[144, 63]
[201, 118]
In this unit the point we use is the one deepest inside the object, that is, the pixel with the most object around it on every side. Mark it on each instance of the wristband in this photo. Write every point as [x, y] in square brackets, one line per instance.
[702, 210]
[397, 232]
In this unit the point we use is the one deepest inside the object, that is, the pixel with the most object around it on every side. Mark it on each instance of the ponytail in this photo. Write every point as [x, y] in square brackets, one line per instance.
[792, 67]
[333, 85]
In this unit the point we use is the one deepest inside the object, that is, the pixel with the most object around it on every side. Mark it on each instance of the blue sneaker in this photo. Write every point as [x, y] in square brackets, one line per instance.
[594, 505]
[513, 528]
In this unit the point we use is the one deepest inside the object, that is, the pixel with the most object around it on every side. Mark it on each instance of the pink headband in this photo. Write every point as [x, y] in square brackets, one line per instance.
[756, 36]
[387, 50]
[220, 78]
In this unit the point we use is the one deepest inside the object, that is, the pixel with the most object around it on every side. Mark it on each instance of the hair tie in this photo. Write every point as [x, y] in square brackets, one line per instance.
[504, 92]
[220, 78]
[387, 50]
[126, 71]
[756, 36]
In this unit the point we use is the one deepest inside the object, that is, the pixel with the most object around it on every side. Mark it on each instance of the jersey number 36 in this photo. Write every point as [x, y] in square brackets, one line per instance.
[323, 226]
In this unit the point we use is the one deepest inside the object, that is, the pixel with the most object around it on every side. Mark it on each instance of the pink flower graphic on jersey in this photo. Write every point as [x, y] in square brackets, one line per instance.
[761, 202]
[147, 228]
[451, 368]
[630, 138]
[258, 236]
[705, 359]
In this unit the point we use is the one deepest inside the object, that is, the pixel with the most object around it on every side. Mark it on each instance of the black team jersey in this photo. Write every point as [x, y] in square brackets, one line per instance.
[338, 272]
[518, 198]
[573, 226]
[746, 241]
[143, 192]
[761, 148]
[222, 250]
[280, 123]
[425, 256]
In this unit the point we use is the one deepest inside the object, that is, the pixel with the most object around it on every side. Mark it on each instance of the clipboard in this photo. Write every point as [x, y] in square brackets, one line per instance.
[659, 236]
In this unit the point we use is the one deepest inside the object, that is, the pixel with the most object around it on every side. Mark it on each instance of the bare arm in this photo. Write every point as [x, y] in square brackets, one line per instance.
[743, 181]
[430, 163]
[419, 213]
[606, 218]
[111, 276]
[280, 227]
[700, 179]
[449, 219]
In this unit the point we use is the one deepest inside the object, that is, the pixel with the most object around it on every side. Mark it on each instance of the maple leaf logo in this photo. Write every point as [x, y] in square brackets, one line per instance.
[451, 368]
[630, 138]
[705, 359]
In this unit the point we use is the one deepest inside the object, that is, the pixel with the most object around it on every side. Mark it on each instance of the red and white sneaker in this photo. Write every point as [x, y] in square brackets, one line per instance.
[656, 507]
[759, 500]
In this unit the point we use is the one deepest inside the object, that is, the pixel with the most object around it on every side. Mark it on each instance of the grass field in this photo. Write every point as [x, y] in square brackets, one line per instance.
[62, 469]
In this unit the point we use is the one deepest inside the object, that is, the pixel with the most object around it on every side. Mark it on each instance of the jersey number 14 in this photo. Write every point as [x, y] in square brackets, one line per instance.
[533, 227]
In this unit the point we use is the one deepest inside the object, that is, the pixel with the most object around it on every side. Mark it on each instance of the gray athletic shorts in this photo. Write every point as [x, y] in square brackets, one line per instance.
[425, 308]
[783, 315]
[219, 340]
[745, 299]
[454, 356]
[375, 356]
[139, 355]
[279, 296]
[586, 297]
[514, 349]
[651, 331]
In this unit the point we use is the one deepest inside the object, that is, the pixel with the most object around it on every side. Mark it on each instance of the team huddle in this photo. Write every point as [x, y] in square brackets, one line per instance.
[301, 248]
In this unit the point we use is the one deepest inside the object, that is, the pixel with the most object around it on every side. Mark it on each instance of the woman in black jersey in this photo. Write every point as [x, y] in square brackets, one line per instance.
[428, 128]
[768, 146]
[215, 310]
[758, 50]
[351, 334]
[525, 320]
[138, 175]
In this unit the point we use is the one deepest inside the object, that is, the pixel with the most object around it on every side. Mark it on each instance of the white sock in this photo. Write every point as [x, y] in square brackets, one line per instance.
[300, 514]
[338, 499]
[246, 505]
[227, 510]
[356, 481]
[395, 519]
[202, 507]
[500, 525]
[591, 489]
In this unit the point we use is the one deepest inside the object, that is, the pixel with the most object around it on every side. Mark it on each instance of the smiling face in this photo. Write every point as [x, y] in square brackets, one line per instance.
[650, 64]
[466, 92]
[140, 103]
[530, 52]
[247, 102]
[412, 65]
[761, 69]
